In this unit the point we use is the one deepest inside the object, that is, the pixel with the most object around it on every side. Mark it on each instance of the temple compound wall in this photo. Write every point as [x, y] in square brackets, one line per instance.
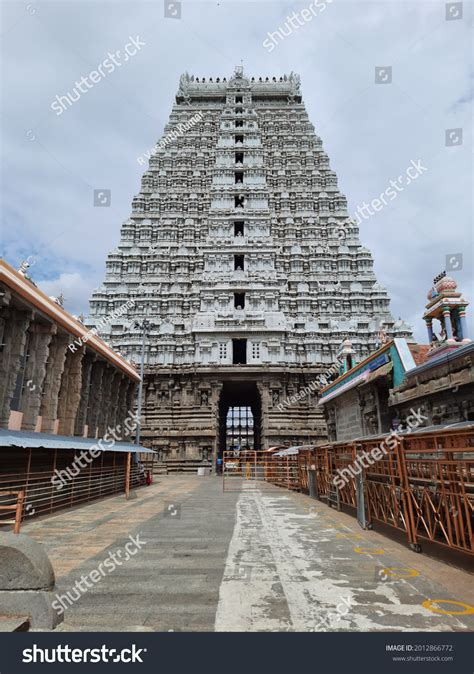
[189, 408]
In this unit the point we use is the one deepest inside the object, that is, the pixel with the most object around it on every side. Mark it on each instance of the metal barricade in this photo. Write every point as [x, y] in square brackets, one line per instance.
[254, 469]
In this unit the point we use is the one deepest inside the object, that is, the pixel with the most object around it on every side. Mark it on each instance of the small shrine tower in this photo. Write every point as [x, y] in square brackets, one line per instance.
[346, 357]
[446, 305]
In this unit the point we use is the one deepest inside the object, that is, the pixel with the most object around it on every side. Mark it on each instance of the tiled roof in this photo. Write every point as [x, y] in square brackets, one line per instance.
[419, 352]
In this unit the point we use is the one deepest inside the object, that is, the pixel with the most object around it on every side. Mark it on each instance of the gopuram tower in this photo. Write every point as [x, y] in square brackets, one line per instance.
[241, 256]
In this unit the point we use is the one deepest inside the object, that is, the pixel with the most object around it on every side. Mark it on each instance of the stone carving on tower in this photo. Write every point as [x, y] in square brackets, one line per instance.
[242, 255]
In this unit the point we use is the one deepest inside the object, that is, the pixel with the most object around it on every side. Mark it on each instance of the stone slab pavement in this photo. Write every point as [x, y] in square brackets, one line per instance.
[248, 560]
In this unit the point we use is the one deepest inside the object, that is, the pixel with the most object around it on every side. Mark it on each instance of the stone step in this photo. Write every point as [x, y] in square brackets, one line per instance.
[14, 623]
[65, 627]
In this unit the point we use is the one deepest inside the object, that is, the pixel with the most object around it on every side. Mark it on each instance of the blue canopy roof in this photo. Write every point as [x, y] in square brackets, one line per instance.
[26, 440]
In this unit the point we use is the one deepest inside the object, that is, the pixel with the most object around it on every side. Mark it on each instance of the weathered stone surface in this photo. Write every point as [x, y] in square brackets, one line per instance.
[15, 339]
[26, 581]
[14, 624]
[70, 391]
[24, 564]
[52, 381]
[37, 604]
[35, 372]
[443, 391]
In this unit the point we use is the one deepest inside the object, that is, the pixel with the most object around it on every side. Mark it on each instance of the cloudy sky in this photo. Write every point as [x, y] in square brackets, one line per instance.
[371, 131]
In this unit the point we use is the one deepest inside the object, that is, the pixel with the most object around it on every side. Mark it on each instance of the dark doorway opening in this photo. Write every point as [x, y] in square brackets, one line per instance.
[239, 139]
[238, 227]
[240, 414]
[239, 157]
[239, 300]
[239, 351]
[239, 177]
[239, 262]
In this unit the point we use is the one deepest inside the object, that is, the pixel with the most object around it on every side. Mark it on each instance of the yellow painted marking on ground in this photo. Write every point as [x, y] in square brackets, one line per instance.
[401, 573]
[369, 551]
[429, 604]
[356, 536]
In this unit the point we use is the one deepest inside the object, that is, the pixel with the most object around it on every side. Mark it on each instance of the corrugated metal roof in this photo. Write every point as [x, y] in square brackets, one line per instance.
[25, 440]
[292, 450]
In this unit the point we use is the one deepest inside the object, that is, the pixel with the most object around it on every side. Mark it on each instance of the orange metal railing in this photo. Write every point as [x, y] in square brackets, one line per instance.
[17, 506]
[41, 495]
[422, 485]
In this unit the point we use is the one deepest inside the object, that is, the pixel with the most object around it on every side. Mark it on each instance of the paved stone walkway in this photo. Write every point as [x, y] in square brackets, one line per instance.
[242, 561]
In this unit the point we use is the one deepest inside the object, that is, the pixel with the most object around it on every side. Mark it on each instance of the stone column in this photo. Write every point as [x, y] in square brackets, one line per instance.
[130, 406]
[105, 405]
[52, 381]
[463, 323]
[35, 372]
[81, 416]
[447, 323]
[216, 389]
[112, 412]
[11, 357]
[5, 298]
[70, 392]
[130, 402]
[429, 328]
[121, 406]
[264, 390]
[95, 397]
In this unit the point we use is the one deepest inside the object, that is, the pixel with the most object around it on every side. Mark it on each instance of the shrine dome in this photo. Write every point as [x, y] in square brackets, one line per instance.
[446, 284]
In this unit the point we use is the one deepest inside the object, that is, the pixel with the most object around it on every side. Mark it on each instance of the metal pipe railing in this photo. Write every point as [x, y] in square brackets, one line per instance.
[17, 507]
[42, 496]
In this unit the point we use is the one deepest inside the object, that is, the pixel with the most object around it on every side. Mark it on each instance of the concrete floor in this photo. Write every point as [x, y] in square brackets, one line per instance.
[249, 560]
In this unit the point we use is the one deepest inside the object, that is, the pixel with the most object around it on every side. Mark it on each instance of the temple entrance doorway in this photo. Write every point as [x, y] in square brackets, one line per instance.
[240, 412]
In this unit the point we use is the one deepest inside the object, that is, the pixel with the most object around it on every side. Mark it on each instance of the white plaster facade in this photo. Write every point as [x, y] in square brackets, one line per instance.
[307, 280]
